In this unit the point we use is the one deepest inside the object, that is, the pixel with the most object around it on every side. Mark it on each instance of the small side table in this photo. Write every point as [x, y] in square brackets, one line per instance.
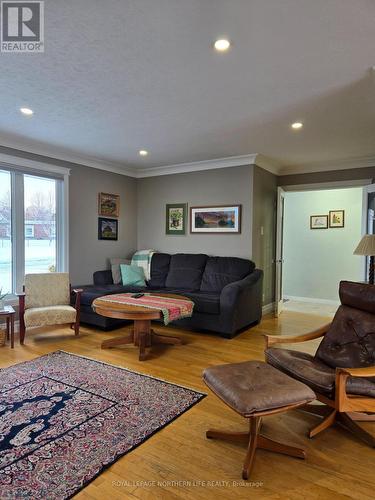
[9, 313]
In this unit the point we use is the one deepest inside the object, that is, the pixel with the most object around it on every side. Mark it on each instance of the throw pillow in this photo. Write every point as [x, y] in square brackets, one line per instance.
[132, 275]
[115, 268]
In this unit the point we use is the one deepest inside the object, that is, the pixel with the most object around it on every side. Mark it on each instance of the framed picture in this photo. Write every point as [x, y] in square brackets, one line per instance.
[175, 218]
[109, 205]
[219, 219]
[336, 218]
[319, 222]
[107, 229]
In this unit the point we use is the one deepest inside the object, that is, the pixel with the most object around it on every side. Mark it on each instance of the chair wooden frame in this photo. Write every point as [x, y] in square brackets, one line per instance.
[345, 409]
[77, 307]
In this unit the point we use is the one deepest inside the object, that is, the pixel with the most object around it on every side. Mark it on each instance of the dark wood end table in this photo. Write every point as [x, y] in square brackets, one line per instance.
[142, 335]
[9, 313]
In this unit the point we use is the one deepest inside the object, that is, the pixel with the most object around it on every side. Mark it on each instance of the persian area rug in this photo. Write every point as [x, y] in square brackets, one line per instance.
[65, 418]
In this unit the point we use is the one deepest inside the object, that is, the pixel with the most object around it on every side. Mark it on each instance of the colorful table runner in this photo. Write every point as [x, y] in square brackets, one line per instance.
[170, 307]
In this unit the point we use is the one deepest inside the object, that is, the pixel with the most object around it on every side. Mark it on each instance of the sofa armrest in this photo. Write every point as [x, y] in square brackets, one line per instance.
[231, 292]
[103, 278]
[241, 302]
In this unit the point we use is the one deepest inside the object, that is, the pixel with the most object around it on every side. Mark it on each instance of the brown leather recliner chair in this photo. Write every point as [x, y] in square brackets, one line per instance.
[342, 372]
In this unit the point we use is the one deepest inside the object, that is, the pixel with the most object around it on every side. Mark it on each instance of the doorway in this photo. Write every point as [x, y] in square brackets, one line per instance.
[316, 257]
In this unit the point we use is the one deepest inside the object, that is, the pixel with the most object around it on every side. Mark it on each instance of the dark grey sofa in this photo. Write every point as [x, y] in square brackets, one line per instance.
[226, 291]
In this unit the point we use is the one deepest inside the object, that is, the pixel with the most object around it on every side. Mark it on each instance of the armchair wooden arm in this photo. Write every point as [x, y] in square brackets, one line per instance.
[368, 371]
[291, 339]
[347, 402]
[77, 292]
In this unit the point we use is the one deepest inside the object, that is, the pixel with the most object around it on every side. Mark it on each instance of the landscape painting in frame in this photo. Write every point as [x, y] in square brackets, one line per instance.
[176, 218]
[109, 205]
[219, 219]
[319, 222]
[107, 229]
[336, 218]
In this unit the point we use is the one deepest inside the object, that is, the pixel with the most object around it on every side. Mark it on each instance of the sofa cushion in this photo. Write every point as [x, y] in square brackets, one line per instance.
[185, 271]
[208, 303]
[220, 271]
[303, 367]
[350, 341]
[159, 270]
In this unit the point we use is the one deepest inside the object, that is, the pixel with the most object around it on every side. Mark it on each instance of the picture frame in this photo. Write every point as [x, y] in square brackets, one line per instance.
[175, 218]
[336, 218]
[318, 221]
[109, 205]
[107, 229]
[216, 219]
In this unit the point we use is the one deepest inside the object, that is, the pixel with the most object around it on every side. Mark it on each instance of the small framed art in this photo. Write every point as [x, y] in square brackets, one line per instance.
[336, 218]
[107, 229]
[109, 205]
[175, 218]
[319, 222]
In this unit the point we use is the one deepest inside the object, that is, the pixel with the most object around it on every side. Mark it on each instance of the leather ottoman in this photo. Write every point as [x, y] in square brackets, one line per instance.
[255, 389]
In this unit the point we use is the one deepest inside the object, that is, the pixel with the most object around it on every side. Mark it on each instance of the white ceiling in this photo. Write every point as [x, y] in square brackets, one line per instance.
[122, 75]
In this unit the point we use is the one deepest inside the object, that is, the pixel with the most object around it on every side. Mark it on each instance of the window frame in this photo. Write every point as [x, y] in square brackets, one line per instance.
[18, 167]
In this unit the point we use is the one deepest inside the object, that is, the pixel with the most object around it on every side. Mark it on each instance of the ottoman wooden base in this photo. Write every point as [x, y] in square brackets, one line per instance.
[255, 441]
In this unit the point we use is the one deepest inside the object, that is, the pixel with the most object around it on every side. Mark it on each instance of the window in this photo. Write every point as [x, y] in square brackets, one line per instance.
[5, 232]
[33, 228]
[40, 217]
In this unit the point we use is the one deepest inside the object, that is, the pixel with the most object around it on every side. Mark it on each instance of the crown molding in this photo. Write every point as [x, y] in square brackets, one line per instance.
[231, 161]
[326, 166]
[50, 153]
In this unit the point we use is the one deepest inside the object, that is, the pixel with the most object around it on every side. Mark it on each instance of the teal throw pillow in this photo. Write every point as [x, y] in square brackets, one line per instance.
[132, 275]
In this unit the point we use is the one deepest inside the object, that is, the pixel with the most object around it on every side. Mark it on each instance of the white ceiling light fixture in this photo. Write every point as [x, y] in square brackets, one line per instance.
[143, 152]
[222, 45]
[297, 125]
[27, 111]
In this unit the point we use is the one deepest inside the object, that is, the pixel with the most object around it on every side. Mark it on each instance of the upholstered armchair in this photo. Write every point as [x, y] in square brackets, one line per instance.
[46, 301]
[342, 371]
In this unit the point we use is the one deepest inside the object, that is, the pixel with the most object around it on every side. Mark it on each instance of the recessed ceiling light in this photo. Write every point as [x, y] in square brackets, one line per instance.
[222, 45]
[297, 125]
[27, 111]
[143, 152]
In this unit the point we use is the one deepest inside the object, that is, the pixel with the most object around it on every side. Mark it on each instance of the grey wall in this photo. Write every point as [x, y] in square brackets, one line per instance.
[216, 187]
[86, 253]
[331, 176]
[264, 228]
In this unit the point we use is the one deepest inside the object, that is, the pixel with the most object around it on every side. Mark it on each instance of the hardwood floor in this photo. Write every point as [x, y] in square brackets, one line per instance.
[179, 462]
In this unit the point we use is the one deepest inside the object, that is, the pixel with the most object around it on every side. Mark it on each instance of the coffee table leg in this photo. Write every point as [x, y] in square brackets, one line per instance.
[11, 331]
[8, 320]
[107, 344]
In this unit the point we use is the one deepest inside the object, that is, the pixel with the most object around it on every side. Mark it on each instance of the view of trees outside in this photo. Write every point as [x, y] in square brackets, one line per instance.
[40, 227]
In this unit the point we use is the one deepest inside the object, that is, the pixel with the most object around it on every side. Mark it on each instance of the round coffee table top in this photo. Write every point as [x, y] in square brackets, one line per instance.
[126, 311]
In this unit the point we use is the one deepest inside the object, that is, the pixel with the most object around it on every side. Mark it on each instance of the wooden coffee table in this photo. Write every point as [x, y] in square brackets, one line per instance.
[142, 335]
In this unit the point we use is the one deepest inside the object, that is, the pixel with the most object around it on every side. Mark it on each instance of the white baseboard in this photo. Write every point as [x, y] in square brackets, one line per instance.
[268, 308]
[313, 300]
